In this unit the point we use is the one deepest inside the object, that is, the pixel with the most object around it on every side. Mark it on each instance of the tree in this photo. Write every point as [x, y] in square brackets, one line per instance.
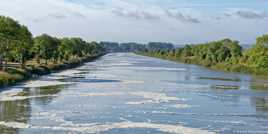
[89, 48]
[262, 41]
[9, 31]
[45, 47]
[258, 55]
[187, 51]
[65, 48]
[24, 45]
[14, 38]
[18, 45]
[78, 46]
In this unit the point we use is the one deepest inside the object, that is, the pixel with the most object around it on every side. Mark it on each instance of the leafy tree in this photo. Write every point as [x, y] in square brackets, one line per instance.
[18, 45]
[24, 45]
[45, 47]
[187, 51]
[66, 48]
[9, 31]
[262, 41]
[14, 37]
[90, 47]
[79, 45]
[258, 55]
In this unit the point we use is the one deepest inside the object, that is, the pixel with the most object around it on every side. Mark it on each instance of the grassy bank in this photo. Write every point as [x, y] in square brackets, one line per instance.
[23, 56]
[14, 75]
[224, 55]
[225, 67]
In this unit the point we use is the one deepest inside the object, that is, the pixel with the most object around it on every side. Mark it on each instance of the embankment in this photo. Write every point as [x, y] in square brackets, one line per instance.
[13, 75]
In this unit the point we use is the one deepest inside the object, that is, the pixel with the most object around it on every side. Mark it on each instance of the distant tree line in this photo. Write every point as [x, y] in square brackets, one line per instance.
[135, 47]
[225, 54]
[17, 44]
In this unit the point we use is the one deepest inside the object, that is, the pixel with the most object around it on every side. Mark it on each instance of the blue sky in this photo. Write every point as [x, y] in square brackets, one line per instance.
[176, 21]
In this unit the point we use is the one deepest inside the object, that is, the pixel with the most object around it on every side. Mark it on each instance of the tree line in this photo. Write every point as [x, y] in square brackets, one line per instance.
[135, 47]
[17, 44]
[224, 54]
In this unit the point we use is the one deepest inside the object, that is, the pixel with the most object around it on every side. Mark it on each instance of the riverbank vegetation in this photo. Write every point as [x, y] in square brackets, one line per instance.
[136, 47]
[22, 55]
[225, 55]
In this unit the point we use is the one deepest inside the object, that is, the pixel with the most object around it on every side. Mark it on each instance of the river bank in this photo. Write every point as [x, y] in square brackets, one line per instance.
[13, 75]
[223, 67]
[222, 55]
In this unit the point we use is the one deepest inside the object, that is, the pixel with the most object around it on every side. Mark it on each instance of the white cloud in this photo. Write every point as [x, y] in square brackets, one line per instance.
[181, 17]
[133, 20]
[36, 9]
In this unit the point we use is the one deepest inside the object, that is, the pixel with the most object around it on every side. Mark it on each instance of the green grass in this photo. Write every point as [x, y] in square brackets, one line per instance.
[223, 66]
[7, 78]
[13, 75]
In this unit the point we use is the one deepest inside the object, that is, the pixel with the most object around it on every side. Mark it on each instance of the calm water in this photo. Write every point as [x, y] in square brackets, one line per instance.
[124, 93]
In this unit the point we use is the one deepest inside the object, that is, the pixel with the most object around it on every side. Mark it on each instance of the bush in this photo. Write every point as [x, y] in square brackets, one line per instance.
[7, 78]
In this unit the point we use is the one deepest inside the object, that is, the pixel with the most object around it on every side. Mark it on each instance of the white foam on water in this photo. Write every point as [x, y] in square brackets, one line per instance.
[14, 124]
[159, 69]
[229, 122]
[187, 87]
[46, 114]
[140, 102]
[13, 96]
[18, 98]
[181, 106]
[153, 97]
[43, 83]
[100, 75]
[132, 82]
[98, 94]
[120, 64]
[97, 128]
[56, 116]
[11, 92]
[69, 72]
[56, 77]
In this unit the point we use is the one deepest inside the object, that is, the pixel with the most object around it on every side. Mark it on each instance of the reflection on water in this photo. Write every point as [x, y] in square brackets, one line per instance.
[226, 87]
[221, 79]
[20, 110]
[14, 111]
[126, 93]
[260, 103]
[259, 86]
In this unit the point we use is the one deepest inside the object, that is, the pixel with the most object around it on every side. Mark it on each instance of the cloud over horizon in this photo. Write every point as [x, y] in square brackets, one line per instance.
[177, 21]
[249, 14]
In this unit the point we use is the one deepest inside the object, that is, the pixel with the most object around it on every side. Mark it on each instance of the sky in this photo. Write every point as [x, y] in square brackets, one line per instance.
[175, 21]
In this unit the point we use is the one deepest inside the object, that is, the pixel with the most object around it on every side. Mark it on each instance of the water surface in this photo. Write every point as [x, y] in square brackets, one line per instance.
[124, 93]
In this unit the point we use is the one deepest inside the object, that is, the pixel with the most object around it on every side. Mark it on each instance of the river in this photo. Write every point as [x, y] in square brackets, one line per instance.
[124, 93]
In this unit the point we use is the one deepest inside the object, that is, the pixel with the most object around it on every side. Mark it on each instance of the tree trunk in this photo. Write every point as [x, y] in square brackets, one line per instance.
[22, 62]
[38, 60]
[1, 62]
[55, 60]
[6, 62]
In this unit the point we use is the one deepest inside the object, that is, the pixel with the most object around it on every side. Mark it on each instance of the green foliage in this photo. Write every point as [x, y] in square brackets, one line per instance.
[65, 48]
[21, 50]
[77, 47]
[15, 40]
[262, 41]
[17, 44]
[45, 47]
[225, 55]
[7, 78]
[257, 56]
